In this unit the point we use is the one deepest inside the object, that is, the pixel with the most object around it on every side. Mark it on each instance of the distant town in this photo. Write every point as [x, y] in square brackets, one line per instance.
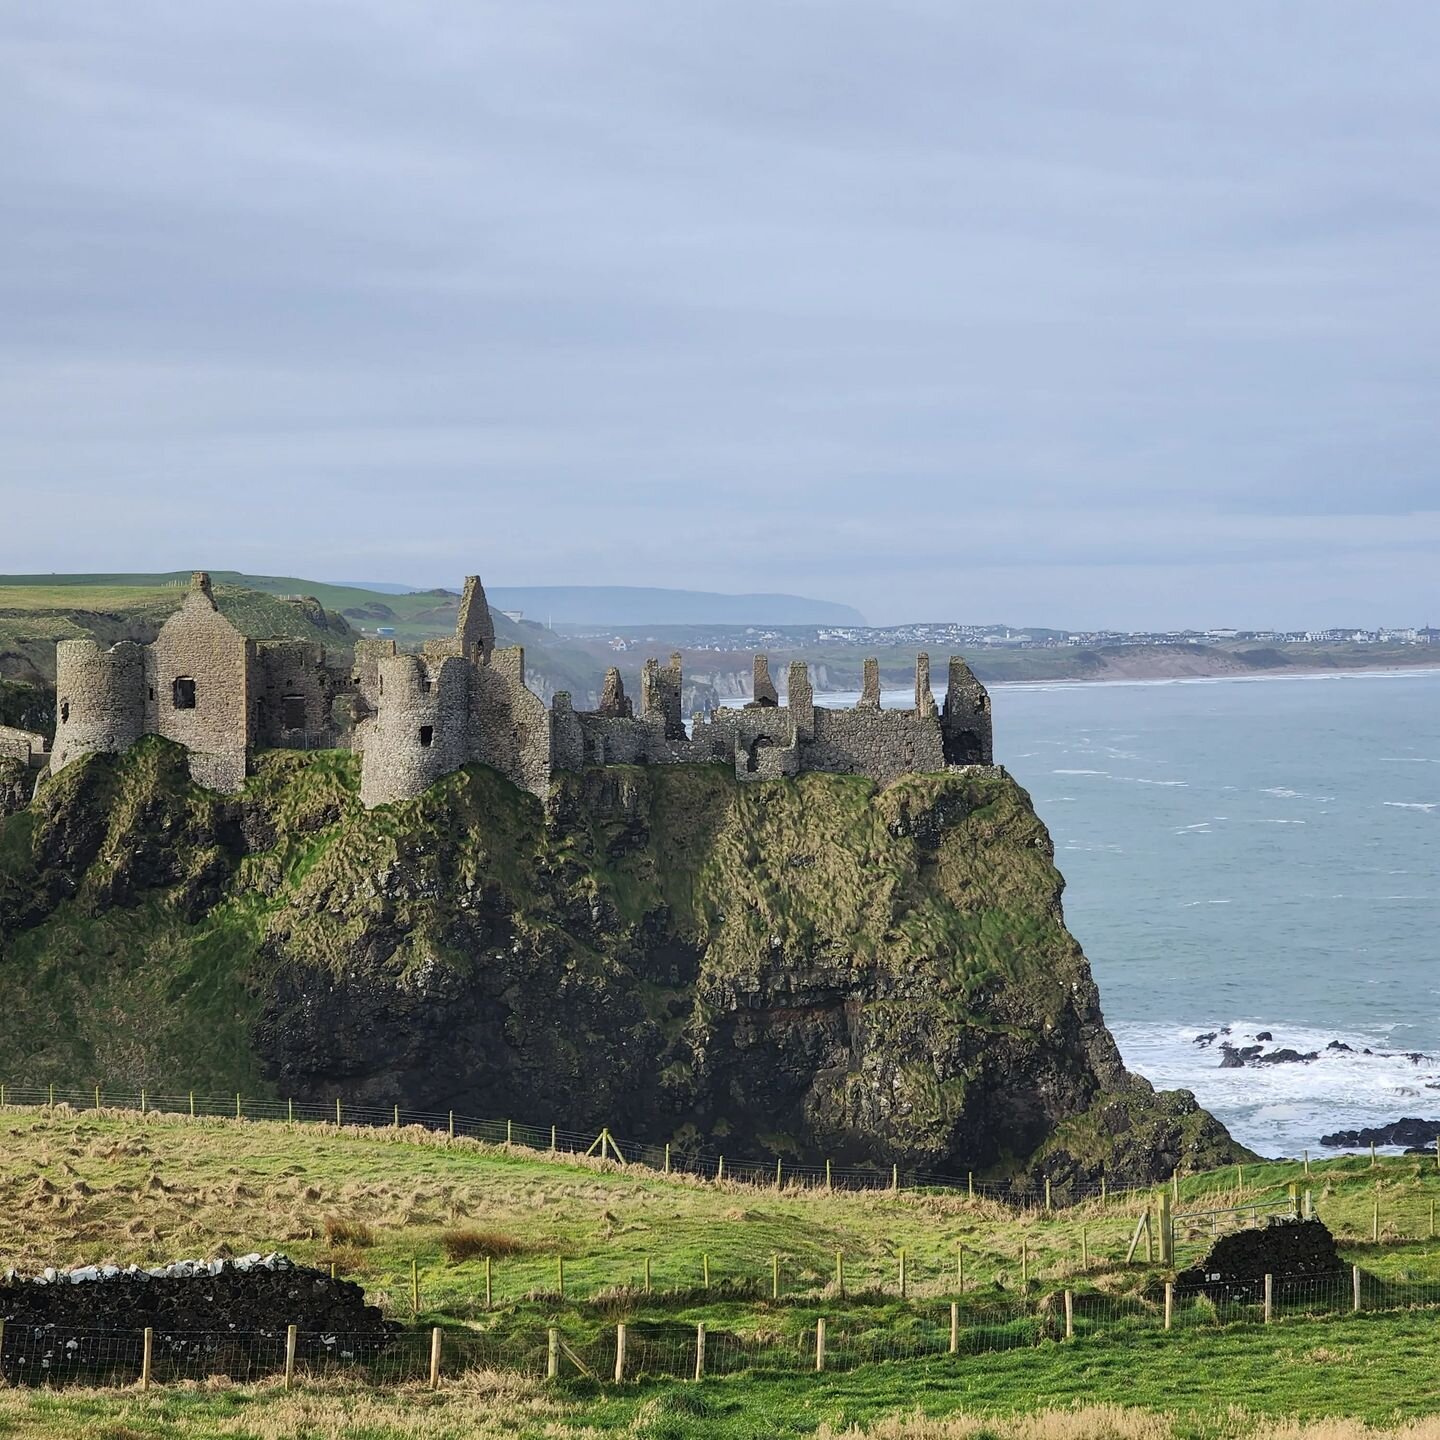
[971, 637]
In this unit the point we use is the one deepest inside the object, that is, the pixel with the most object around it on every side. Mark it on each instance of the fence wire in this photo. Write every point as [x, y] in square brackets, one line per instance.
[668, 1349]
[1021, 1193]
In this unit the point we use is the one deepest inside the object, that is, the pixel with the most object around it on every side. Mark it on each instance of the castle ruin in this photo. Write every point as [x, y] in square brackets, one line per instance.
[417, 717]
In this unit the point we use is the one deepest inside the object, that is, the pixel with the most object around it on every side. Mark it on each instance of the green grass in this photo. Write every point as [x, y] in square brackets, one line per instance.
[89, 1186]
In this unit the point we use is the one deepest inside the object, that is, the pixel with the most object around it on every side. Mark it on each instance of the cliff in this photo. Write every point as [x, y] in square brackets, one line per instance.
[808, 967]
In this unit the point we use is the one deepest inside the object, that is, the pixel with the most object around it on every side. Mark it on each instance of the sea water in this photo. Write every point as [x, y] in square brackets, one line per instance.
[1252, 854]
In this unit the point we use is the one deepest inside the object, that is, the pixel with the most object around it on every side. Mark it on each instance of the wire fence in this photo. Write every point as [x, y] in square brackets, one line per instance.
[666, 1349]
[1025, 1192]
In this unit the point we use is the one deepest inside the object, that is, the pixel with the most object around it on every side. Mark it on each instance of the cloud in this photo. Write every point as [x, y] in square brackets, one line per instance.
[946, 311]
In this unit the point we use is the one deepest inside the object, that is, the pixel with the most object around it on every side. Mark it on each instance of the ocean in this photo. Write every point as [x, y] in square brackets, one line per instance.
[1252, 855]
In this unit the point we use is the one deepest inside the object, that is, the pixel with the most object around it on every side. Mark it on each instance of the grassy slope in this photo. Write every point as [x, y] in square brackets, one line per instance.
[34, 618]
[88, 1187]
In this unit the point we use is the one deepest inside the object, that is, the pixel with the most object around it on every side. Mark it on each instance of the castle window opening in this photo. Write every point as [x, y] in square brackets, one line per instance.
[183, 692]
[64, 711]
[151, 691]
[427, 736]
[292, 712]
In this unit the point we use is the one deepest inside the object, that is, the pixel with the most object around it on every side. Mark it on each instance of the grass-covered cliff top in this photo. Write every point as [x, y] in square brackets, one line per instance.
[814, 965]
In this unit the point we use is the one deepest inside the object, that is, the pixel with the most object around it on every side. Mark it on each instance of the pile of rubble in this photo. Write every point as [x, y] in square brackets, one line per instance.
[1291, 1251]
[66, 1322]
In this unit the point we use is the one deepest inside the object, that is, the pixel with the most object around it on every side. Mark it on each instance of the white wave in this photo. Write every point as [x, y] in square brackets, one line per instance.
[1079, 772]
[1139, 780]
[1284, 792]
[1284, 1109]
[1426, 805]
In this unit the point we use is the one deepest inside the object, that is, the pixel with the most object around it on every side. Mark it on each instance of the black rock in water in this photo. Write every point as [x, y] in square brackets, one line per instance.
[1264, 1035]
[1417, 1134]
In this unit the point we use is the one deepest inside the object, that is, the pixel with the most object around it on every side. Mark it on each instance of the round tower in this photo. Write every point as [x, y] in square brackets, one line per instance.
[99, 699]
[420, 731]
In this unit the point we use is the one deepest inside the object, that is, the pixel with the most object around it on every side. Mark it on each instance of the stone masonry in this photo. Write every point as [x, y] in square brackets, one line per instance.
[417, 718]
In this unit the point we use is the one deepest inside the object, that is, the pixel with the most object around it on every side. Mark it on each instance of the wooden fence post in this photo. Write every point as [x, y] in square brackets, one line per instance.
[97, 1097]
[52, 1098]
[1169, 1303]
[705, 1270]
[237, 1105]
[954, 1327]
[1375, 1222]
[1103, 1192]
[700, 1351]
[337, 1112]
[778, 1181]
[894, 1177]
[1048, 1206]
[1269, 1297]
[452, 1124]
[414, 1287]
[667, 1157]
[142, 1099]
[397, 1117]
[828, 1179]
[1372, 1154]
[647, 1274]
[820, 1343]
[970, 1183]
[560, 1275]
[620, 1353]
[1355, 1287]
[1024, 1263]
[290, 1338]
[289, 1109]
[1240, 1180]
[489, 1286]
[147, 1354]
[960, 1268]
[552, 1355]
[840, 1272]
[902, 1274]
[1166, 1227]
[1069, 1316]
[1084, 1249]
[552, 1139]
[435, 1335]
[720, 1172]
[774, 1277]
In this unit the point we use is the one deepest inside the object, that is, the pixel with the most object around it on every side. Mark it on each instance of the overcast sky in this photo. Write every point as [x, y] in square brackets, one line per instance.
[1101, 314]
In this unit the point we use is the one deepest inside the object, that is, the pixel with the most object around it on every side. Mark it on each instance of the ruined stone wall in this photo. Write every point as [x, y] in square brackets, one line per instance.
[510, 726]
[198, 674]
[22, 745]
[421, 729]
[966, 722]
[99, 699]
[883, 744]
[292, 694]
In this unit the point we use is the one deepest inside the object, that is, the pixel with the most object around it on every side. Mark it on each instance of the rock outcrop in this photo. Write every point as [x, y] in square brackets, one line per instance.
[810, 967]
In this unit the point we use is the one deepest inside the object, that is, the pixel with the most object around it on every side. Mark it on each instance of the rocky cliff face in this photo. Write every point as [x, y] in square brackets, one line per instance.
[806, 968]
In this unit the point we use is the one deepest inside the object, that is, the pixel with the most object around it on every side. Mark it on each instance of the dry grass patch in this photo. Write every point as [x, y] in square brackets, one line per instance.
[473, 1243]
[350, 1234]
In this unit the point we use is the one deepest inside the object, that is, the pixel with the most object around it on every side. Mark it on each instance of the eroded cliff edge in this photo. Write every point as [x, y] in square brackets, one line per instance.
[809, 967]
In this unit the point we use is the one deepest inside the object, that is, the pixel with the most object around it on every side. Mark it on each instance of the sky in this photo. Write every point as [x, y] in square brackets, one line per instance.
[1114, 314]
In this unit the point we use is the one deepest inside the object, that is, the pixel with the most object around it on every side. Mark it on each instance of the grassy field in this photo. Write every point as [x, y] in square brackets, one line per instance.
[90, 1186]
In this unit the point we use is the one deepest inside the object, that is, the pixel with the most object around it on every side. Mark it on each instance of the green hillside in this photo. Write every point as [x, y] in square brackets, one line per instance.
[111, 1185]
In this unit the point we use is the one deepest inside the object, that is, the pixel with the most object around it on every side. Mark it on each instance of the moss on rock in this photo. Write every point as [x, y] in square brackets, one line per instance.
[813, 966]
